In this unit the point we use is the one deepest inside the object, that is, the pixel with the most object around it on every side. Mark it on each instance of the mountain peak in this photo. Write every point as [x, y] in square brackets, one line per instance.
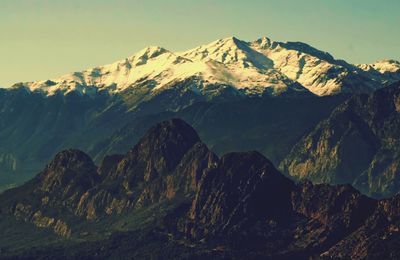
[265, 42]
[69, 157]
[386, 66]
[150, 52]
[166, 143]
[70, 170]
[233, 53]
[173, 130]
[229, 40]
[226, 50]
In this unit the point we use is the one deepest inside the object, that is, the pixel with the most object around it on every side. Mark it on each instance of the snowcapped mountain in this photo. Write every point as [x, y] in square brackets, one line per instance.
[384, 70]
[255, 68]
[383, 66]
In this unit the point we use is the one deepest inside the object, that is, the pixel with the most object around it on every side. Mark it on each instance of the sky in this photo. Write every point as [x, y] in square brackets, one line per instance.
[43, 39]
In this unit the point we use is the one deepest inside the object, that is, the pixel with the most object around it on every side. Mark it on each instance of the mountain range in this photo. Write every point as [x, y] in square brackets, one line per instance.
[171, 197]
[241, 68]
[278, 87]
[164, 154]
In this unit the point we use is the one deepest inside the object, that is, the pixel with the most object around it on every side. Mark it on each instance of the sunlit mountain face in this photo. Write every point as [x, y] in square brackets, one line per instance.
[250, 68]
[233, 149]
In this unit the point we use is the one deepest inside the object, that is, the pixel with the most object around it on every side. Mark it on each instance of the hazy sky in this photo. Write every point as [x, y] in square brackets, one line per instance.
[41, 39]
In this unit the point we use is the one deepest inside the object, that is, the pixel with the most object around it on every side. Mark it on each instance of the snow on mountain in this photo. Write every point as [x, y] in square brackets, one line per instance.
[154, 63]
[383, 66]
[232, 61]
[385, 70]
[254, 67]
[318, 71]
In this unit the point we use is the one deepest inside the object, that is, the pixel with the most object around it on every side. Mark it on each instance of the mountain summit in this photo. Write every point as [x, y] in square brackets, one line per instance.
[251, 68]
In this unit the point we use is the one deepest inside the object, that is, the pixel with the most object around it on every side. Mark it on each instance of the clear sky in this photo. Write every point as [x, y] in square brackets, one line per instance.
[41, 39]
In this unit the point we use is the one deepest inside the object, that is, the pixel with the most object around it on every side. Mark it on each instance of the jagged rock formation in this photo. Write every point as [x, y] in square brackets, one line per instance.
[235, 206]
[357, 144]
[378, 238]
[71, 173]
[242, 189]
[166, 163]
[339, 207]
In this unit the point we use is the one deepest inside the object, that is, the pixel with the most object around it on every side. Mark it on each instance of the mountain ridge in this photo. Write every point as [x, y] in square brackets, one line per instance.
[250, 67]
[185, 201]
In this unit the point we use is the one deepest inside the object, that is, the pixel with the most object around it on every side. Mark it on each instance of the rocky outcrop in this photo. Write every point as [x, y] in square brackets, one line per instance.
[70, 174]
[377, 238]
[59, 226]
[341, 208]
[358, 144]
[241, 190]
[27, 213]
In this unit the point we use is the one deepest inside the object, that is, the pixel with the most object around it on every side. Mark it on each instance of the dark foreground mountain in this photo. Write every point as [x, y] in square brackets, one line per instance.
[357, 144]
[171, 197]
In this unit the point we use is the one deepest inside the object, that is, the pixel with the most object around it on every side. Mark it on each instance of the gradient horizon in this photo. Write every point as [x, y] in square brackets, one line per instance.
[42, 39]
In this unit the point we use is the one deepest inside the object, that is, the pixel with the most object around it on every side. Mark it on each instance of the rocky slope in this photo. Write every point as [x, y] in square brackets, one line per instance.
[229, 196]
[357, 144]
[171, 197]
